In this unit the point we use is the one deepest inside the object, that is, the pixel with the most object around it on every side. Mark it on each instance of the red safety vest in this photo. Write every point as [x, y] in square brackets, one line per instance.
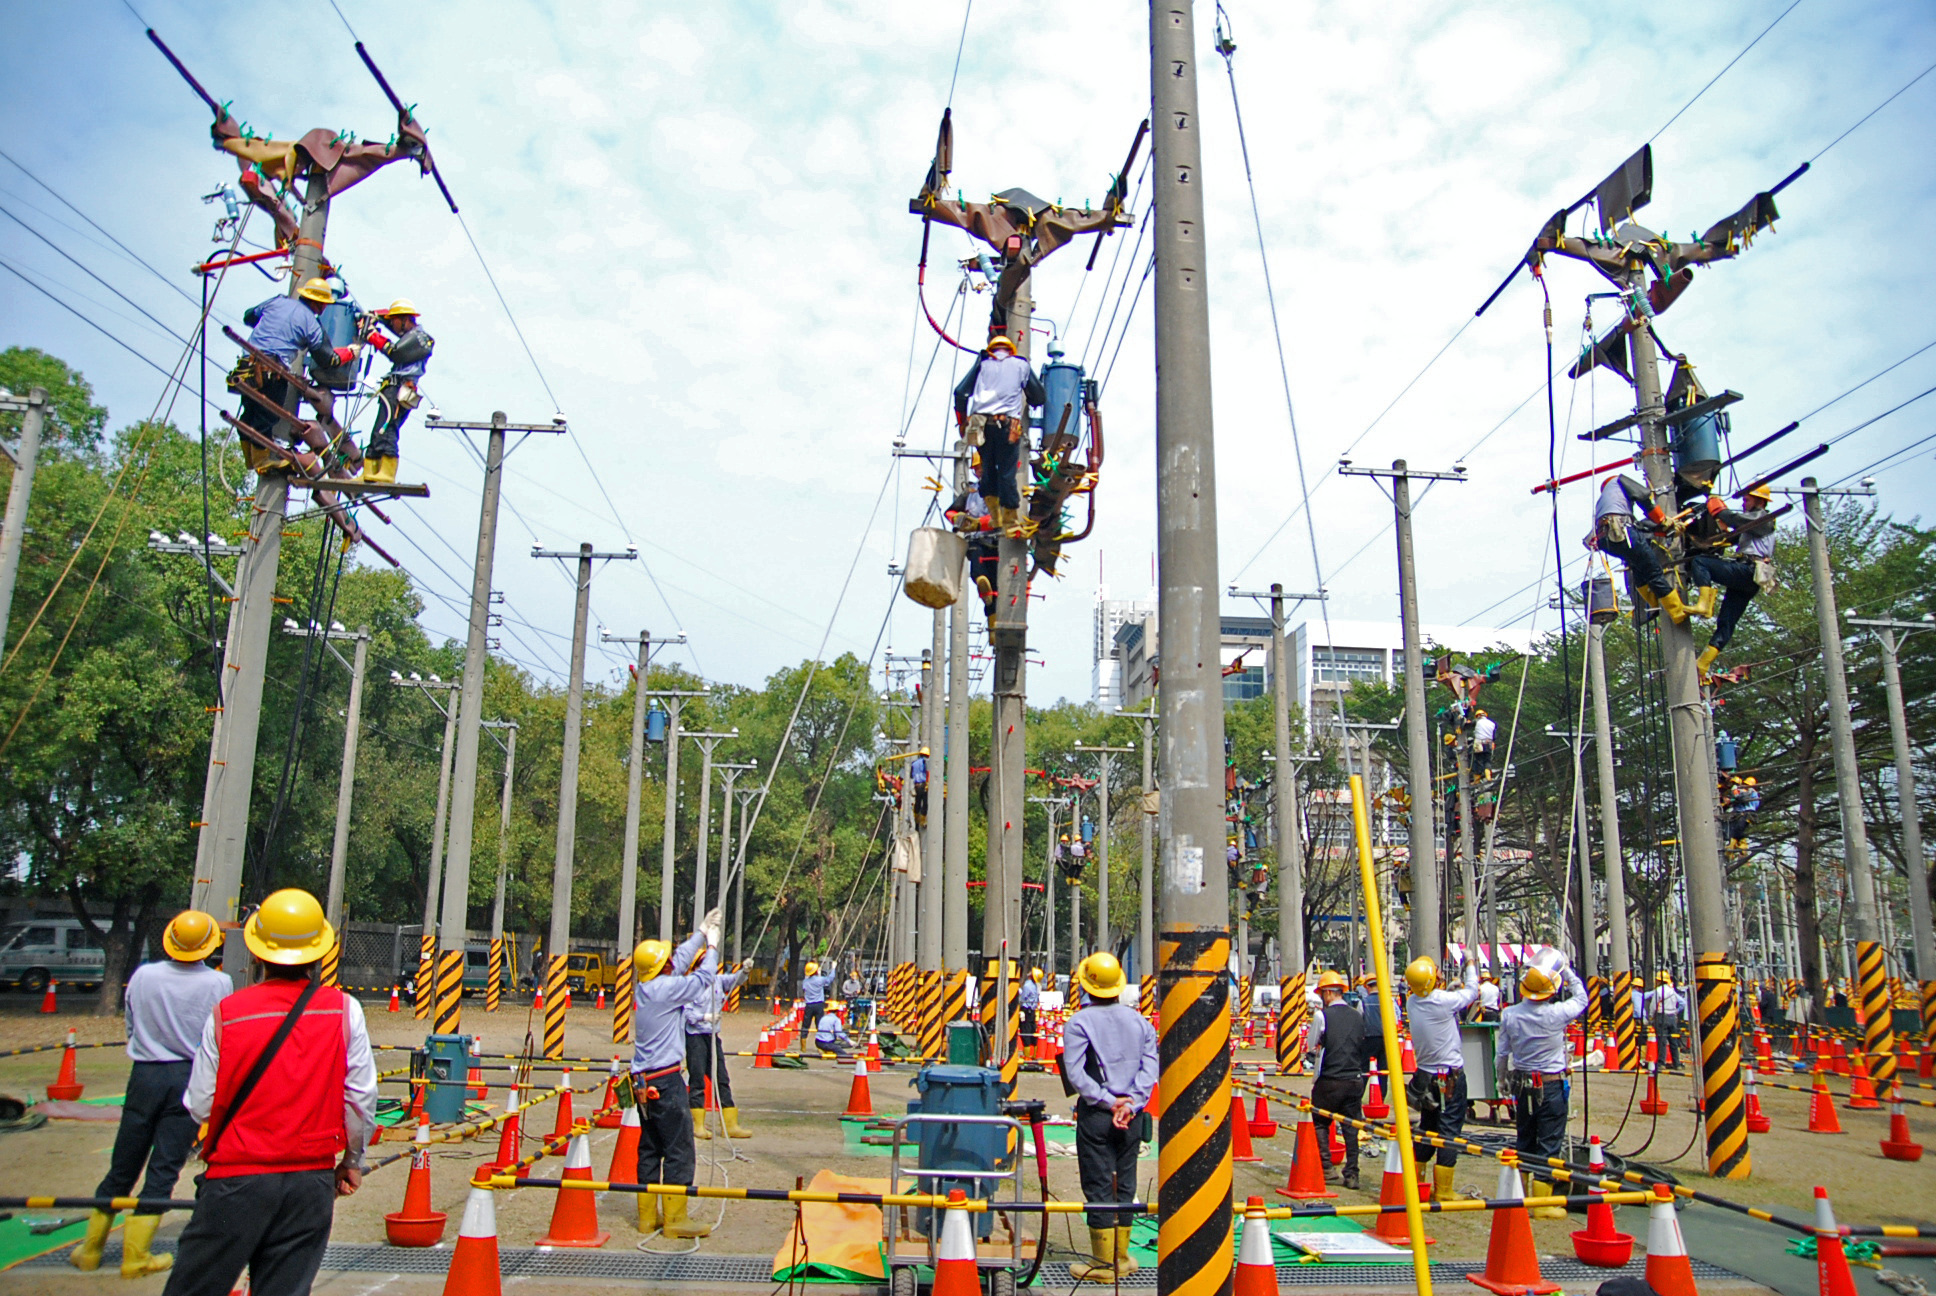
[294, 1118]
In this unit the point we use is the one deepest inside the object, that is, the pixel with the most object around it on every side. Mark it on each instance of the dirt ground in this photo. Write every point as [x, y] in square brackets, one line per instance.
[793, 1117]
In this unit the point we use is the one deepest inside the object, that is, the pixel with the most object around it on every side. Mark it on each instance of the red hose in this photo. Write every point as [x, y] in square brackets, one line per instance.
[921, 291]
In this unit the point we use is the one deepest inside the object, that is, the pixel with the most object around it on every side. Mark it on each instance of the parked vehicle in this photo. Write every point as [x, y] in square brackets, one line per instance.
[477, 970]
[588, 971]
[51, 949]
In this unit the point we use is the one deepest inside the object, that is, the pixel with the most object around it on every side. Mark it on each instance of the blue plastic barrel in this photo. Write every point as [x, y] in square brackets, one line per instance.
[448, 1066]
[960, 1091]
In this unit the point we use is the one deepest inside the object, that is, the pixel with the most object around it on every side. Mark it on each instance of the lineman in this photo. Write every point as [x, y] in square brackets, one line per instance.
[1664, 1006]
[1488, 998]
[1484, 734]
[408, 350]
[1753, 530]
[1531, 1053]
[1338, 1035]
[969, 515]
[1438, 1086]
[1613, 532]
[668, 980]
[706, 1056]
[1030, 998]
[286, 328]
[813, 987]
[286, 1087]
[991, 407]
[168, 1003]
[918, 772]
[1109, 1056]
[830, 1033]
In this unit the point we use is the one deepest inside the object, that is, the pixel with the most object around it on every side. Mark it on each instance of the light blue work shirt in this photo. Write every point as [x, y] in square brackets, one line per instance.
[1123, 1045]
[813, 989]
[1434, 1019]
[702, 1017]
[830, 1033]
[285, 327]
[1532, 1032]
[658, 1005]
[1030, 995]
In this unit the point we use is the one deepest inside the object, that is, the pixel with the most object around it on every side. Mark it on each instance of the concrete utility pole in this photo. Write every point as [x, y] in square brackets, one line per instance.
[1908, 808]
[628, 875]
[1002, 937]
[1864, 924]
[1106, 760]
[1052, 804]
[1626, 1038]
[495, 988]
[675, 704]
[729, 773]
[558, 947]
[746, 800]
[1193, 1166]
[346, 781]
[1146, 877]
[25, 457]
[1425, 934]
[707, 742]
[427, 941]
[956, 794]
[463, 794]
[933, 712]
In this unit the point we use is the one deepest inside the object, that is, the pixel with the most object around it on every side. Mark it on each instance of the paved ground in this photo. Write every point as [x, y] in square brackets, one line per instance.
[792, 1114]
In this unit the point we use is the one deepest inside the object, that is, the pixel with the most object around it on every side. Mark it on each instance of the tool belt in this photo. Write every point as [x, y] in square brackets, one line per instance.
[978, 424]
[1525, 1083]
[1614, 527]
[642, 1080]
[1764, 574]
[244, 374]
[401, 392]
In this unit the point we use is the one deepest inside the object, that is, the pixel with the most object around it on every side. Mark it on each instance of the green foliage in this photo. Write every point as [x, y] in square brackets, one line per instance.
[74, 421]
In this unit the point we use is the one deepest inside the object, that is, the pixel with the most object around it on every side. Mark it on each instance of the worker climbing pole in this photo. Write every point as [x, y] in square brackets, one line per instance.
[1193, 1095]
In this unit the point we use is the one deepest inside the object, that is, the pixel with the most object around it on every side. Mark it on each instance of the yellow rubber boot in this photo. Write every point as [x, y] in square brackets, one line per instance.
[733, 1129]
[1102, 1245]
[1125, 1263]
[1703, 605]
[1706, 660]
[381, 471]
[1544, 1188]
[699, 1130]
[87, 1256]
[678, 1224]
[136, 1259]
[1441, 1182]
[1676, 610]
[649, 1218]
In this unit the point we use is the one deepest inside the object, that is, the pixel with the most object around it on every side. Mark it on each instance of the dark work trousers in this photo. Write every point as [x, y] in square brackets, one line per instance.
[1344, 1096]
[665, 1132]
[1106, 1157]
[155, 1128]
[274, 1225]
[275, 389]
[1539, 1121]
[998, 456]
[1028, 1028]
[984, 561]
[1448, 1121]
[1737, 579]
[1666, 1028]
[705, 1057]
[1642, 556]
[390, 418]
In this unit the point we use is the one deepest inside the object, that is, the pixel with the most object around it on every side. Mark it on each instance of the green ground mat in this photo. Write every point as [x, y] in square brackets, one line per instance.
[17, 1244]
[812, 1271]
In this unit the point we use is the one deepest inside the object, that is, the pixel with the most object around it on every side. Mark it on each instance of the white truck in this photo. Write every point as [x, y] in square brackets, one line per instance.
[41, 950]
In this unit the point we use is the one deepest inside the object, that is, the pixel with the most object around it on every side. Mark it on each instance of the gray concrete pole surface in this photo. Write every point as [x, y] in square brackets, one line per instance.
[1290, 842]
[1468, 839]
[559, 945]
[670, 838]
[1908, 807]
[739, 877]
[1423, 934]
[1613, 859]
[504, 832]
[1002, 904]
[954, 829]
[707, 742]
[729, 777]
[440, 823]
[1589, 922]
[932, 737]
[1146, 876]
[13, 530]
[339, 846]
[628, 866]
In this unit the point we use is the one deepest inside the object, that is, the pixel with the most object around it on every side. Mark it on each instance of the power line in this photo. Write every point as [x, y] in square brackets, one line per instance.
[131, 253]
[960, 45]
[1873, 111]
[1723, 72]
[51, 296]
[66, 256]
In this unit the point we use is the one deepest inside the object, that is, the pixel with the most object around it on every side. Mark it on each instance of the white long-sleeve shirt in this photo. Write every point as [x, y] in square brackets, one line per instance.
[168, 1004]
[1434, 1019]
[359, 1080]
[1532, 1032]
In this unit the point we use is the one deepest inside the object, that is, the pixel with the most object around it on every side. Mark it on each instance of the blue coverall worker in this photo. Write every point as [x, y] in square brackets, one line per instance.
[1028, 999]
[1109, 1058]
[1531, 1053]
[287, 328]
[667, 980]
[813, 987]
[1438, 1084]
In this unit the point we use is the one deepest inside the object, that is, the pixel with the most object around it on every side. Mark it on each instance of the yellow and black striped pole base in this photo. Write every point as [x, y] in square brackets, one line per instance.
[1292, 1016]
[931, 1033]
[1596, 987]
[1626, 1040]
[554, 1009]
[494, 988]
[987, 1016]
[426, 982]
[450, 992]
[954, 1001]
[1929, 1013]
[332, 972]
[1243, 998]
[1193, 1114]
[732, 997]
[1149, 997]
[1012, 1029]
[1878, 1014]
[1722, 1098]
[622, 1003]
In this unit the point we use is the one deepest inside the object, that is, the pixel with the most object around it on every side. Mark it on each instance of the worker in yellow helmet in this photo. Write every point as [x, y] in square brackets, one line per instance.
[407, 347]
[286, 328]
[1437, 1088]
[1751, 570]
[1028, 999]
[665, 981]
[1109, 1057]
[1531, 1054]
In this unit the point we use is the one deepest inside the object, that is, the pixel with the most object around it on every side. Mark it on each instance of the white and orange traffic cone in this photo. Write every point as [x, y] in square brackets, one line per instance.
[48, 1004]
[1653, 1104]
[625, 1150]
[955, 1271]
[1668, 1271]
[607, 1115]
[1256, 1266]
[1261, 1124]
[507, 1143]
[67, 1086]
[1307, 1167]
[574, 1217]
[474, 1267]
[1821, 1107]
[416, 1225]
[1376, 1108]
[562, 1130]
[1512, 1262]
[1600, 1244]
[1392, 1226]
[1832, 1276]
[859, 1101]
[396, 1000]
[763, 1055]
[1758, 1122]
[1899, 1146]
[1240, 1148]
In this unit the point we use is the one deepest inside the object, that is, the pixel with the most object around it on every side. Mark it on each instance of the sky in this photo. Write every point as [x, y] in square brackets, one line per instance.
[698, 217]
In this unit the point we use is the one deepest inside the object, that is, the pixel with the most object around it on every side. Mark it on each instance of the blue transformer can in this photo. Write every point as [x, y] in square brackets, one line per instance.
[961, 1091]
[338, 322]
[1697, 445]
[1062, 382]
[447, 1068]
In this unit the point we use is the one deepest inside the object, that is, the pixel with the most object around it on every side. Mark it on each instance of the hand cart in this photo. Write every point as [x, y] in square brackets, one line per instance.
[910, 1236]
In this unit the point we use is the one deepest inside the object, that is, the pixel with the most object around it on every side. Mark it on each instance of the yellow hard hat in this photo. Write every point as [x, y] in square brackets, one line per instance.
[1543, 974]
[812, 967]
[316, 290]
[1000, 339]
[1422, 975]
[924, 751]
[1101, 976]
[1758, 491]
[191, 936]
[1333, 980]
[289, 929]
[1750, 780]
[401, 306]
[649, 959]
[1035, 974]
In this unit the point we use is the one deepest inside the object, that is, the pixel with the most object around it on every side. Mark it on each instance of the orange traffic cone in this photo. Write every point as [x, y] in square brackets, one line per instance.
[1758, 1122]
[1832, 1274]
[1408, 1062]
[47, 1002]
[859, 1101]
[1261, 1124]
[417, 1087]
[1821, 1107]
[574, 1217]
[1838, 1059]
[1600, 1244]
[1337, 1142]
[763, 1055]
[537, 999]
[1240, 1148]
[1512, 1265]
[1256, 1267]
[1653, 1104]
[476, 1083]
[1668, 1270]
[396, 1004]
[416, 1225]
[607, 1115]
[1376, 1108]
[474, 1267]
[625, 1151]
[562, 1130]
[955, 1270]
[67, 1087]
[1898, 1146]
[1392, 1225]
[507, 1143]
[1862, 1095]
[1307, 1167]
[600, 1004]
[874, 1052]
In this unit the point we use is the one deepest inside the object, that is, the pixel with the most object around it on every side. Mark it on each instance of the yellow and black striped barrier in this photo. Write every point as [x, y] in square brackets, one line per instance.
[1723, 1099]
[622, 997]
[55, 1048]
[426, 963]
[494, 988]
[1626, 1035]
[1293, 1014]
[1879, 1032]
[554, 1009]
[149, 1205]
[1194, 1225]
[447, 1011]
